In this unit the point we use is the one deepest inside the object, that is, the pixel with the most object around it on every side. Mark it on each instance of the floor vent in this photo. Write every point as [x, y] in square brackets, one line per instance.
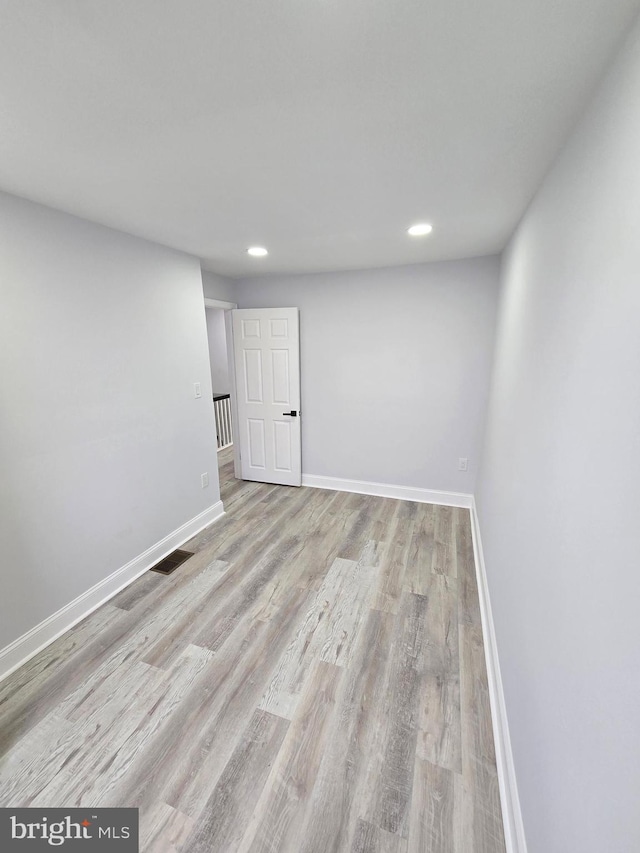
[171, 562]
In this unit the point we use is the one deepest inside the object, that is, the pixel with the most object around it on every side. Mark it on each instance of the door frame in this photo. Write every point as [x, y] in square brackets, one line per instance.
[218, 303]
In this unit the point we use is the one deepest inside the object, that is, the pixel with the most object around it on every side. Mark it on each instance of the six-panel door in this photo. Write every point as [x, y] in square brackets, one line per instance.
[267, 365]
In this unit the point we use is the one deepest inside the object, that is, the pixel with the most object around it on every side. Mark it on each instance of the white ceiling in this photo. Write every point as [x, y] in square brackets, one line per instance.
[319, 128]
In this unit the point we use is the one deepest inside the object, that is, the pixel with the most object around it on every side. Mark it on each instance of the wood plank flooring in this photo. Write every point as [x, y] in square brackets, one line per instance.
[312, 680]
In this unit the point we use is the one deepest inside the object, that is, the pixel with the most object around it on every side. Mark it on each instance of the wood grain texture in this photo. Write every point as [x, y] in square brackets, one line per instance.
[224, 817]
[164, 830]
[397, 539]
[279, 813]
[343, 785]
[444, 550]
[371, 839]
[418, 573]
[432, 810]
[311, 680]
[390, 806]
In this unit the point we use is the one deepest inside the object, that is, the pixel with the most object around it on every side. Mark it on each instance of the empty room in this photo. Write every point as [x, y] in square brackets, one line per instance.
[320, 426]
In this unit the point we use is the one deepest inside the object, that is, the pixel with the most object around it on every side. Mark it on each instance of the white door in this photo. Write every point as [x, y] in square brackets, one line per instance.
[266, 350]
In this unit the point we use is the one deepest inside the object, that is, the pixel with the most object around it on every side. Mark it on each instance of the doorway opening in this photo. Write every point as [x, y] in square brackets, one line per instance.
[221, 377]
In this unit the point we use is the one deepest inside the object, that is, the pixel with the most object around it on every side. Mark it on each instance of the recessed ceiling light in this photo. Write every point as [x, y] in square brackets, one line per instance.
[257, 251]
[420, 229]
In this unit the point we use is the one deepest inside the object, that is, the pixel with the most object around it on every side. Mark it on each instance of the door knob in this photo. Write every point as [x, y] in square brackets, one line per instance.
[291, 414]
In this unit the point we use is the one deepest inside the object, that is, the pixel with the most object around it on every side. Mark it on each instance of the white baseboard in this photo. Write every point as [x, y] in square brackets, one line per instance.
[25, 647]
[385, 490]
[511, 812]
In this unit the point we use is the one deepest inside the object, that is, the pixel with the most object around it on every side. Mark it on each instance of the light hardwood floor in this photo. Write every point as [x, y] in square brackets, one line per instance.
[312, 680]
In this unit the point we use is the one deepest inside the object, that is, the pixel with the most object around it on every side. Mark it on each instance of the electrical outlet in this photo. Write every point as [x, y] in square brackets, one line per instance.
[197, 390]
[204, 479]
[463, 463]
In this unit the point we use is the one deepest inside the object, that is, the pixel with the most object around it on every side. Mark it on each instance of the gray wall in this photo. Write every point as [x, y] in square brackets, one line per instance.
[102, 442]
[559, 490]
[216, 286]
[217, 337]
[395, 368]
